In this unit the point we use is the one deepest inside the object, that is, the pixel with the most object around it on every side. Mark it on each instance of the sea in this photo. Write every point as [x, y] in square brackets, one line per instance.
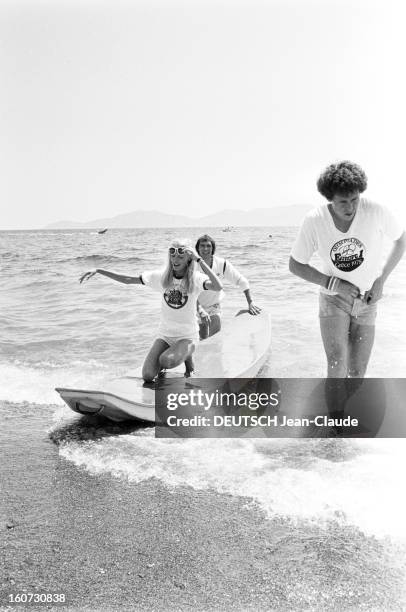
[55, 331]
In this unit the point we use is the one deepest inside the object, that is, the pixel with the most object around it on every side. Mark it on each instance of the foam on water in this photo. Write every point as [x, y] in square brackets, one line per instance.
[354, 482]
[25, 383]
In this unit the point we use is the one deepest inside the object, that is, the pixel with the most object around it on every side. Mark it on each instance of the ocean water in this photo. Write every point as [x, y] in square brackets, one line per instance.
[56, 332]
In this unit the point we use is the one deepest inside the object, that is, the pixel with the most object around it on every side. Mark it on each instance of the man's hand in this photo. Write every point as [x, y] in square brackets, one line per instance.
[375, 293]
[204, 316]
[253, 309]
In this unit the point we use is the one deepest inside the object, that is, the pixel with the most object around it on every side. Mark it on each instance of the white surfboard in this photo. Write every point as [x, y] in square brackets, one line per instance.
[238, 351]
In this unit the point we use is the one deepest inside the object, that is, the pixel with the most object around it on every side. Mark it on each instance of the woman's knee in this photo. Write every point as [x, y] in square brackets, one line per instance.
[177, 354]
[148, 375]
[168, 361]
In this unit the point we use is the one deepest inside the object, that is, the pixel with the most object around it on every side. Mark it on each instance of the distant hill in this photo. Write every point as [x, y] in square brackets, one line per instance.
[274, 216]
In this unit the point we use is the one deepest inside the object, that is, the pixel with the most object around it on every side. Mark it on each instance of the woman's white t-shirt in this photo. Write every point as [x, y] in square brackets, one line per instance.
[178, 308]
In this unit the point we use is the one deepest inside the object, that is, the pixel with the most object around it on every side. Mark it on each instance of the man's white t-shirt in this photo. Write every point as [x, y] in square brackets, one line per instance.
[224, 270]
[178, 309]
[356, 255]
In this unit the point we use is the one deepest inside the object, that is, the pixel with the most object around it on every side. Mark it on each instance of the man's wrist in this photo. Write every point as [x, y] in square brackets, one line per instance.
[332, 283]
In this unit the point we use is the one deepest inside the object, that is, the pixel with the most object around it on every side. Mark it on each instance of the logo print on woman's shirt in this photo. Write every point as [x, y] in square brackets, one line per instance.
[175, 298]
[347, 254]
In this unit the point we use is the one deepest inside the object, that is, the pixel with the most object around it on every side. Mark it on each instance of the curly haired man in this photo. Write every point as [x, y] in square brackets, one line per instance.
[348, 234]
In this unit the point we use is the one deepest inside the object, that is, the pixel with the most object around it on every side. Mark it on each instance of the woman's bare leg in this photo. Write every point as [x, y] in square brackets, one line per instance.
[189, 366]
[152, 365]
[178, 353]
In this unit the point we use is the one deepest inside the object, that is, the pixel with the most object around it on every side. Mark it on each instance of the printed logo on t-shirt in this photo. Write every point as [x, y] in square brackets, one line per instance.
[347, 254]
[175, 298]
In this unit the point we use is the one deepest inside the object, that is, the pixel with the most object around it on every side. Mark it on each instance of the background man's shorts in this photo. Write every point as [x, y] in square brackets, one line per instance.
[339, 306]
[213, 309]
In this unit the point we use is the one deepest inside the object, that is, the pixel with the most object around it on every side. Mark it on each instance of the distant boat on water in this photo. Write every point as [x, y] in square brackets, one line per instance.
[103, 231]
[228, 228]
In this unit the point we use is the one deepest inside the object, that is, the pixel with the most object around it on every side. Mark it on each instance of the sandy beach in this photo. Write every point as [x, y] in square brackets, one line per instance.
[113, 545]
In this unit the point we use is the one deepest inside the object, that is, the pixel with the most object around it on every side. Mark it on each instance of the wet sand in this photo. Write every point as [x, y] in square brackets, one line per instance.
[114, 545]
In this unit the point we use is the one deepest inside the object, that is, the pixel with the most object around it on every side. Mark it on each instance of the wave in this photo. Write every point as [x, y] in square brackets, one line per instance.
[26, 383]
[10, 255]
[24, 269]
[360, 484]
[39, 283]
[98, 258]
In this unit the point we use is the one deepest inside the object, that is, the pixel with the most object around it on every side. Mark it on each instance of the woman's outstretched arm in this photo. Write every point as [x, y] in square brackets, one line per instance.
[121, 278]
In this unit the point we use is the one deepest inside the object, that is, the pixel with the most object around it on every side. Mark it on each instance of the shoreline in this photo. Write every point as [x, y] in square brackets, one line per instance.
[110, 544]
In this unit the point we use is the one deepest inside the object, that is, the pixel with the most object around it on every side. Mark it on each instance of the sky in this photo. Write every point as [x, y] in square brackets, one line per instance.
[195, 106]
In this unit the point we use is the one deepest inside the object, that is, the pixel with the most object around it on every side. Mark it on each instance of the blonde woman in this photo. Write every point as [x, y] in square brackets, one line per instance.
[180, 285]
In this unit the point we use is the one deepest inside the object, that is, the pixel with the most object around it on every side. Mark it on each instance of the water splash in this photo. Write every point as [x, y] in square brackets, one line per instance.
[352, 482]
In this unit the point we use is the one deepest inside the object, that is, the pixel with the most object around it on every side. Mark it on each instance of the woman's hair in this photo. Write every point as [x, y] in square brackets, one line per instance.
[167, 276]
[341, 178]
[207, 238]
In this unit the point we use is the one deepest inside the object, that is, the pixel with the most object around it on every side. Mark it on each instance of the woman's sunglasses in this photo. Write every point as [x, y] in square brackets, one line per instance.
[179, 250]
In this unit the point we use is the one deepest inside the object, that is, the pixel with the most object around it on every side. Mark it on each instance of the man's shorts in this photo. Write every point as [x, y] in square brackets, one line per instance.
[213, 309]
[332, 306]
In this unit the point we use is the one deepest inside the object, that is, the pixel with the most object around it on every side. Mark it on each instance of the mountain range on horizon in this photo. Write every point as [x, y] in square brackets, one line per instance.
[273, 216]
